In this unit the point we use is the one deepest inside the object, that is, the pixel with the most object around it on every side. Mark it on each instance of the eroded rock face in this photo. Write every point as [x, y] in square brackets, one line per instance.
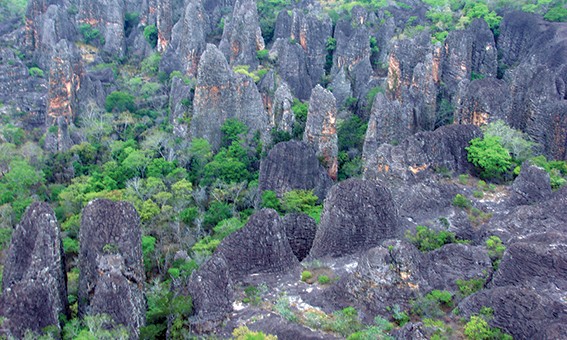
[112, 276]
[417, 156]
[321, 129]
[188, 40]
[180, 98]
[301, 63]
[282, 116]
[261, 246]
[108, 17]
[221, 94]
[531, 186]
[34, 283]
[357, 216]
[211, 291]
[242, 36]
[293, 166]
[300, 230]
[482, 101]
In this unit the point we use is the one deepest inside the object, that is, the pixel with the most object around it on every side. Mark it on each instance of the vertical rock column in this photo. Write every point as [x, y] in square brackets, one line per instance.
[164, 24]
[110, 262]
[34, 283]
[320, 129]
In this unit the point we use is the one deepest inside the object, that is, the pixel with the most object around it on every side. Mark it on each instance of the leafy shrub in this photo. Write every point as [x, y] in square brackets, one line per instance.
[243, 333]
[345, 322]
[270, 200]
[464, 179]
[323, 279]
[556, 170]
[150, 65]
[300, 110]
[263, 54]
[36, 72]
[232, 130]
[515, 141]
[217, 212]
[119, 101]
[70, 246]
[306, 275]
[282, 306]
[426, 239]
[376, 331]
[495, 250]
[478, 194]
[90, 34]
[188, 215]
[398, 315]
[471, 286]
[151, 35]
[442, 296]
[489, 156]
[461, 201]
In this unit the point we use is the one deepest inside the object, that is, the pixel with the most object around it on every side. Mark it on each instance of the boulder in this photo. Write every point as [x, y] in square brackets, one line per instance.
[531, 186]
[293, 166]
[112, 275]
[300, 230]
[357, 216]
[221, 94]
[261, 246]
[242, 37]
[321, 129]
[34, 283]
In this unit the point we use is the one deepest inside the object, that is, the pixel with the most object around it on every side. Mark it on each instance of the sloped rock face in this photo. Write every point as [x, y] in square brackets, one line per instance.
[321, 130]
[261, 246]
[550, 129]
[527, 291]
[108, 17]
[531, 186]
[110, 262]
[242, 36]
[417, 156]
[221, 94]
[456, 261]
[389, 121]
[34, 284]
[211, 291]
[302, 63]
[180, 96]
[293, 166]
[386, 275]
[164, 24]
[357, 216]
[482, 101]
[188, 40]
[545, 216]
[300, 230]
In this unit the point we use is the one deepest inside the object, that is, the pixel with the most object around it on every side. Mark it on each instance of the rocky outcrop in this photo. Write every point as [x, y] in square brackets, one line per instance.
[107, 16]
[293, 166]
[180, 99]
[299, 48]
[210, 289]
[550, 129]
[282, 117]
[300, 230]
[261, 246]
[164, 24]
[418, 156]
[357, 216]
[242, 36]
[221, 94]
[482, 101]
[112, 276]
[321, 130]
[531, 186]
[188, 40]
[283, 329]
[34, 283]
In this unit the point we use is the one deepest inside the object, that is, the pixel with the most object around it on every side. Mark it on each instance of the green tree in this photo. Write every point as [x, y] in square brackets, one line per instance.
[489, 156]
[119, 101]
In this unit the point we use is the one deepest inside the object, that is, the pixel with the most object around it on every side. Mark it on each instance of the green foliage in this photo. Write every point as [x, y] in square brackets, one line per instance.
[99, 326]
[442, 296]
[331, 44]
[461, 201]
[267, 12]
[13, 134]
[373, 332]
[323, 279]
[495, 250]
[119, 101]
[12, 8]
[351, 133]
[270, 200]
[150, 65]
[164, 306]
[282, 307]
[188, 215]
[232, 131]
[556, 14]
[90, 34]
[399, 315]
[217, 212]
[346, 322]
[70, 246]
[477, 329]
[5, 238]
[245, 70]
[557, 170]
[371, 95]
[300, 111]
[306, 275]
[489, 156]
[515, 141]
[426, 239]
[243, 333]
[300, 201]
[148, 250]
[36, 72]
[151, 35]
[262, 54]
[471, 286]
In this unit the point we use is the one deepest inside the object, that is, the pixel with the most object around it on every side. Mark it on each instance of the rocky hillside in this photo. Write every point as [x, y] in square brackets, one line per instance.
[293, 169]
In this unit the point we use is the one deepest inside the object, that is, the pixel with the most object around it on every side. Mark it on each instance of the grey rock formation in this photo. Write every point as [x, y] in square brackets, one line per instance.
[300, 230]
[221, 94]
[292, 166]
[357, 216]
[417, 156]
[261, 246]
[110, 263]
[386, 275]
[282, 117]
[531, 186]
[34, 284]
[550, 129]
[301, 63]
[108, 17]
[283, 329]
[411, 330]
[211, 291]
[180, 99]
[482, 101]
[164, 24]
[456, 261]
[188, 40]
[242, 36]
[321, 129]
